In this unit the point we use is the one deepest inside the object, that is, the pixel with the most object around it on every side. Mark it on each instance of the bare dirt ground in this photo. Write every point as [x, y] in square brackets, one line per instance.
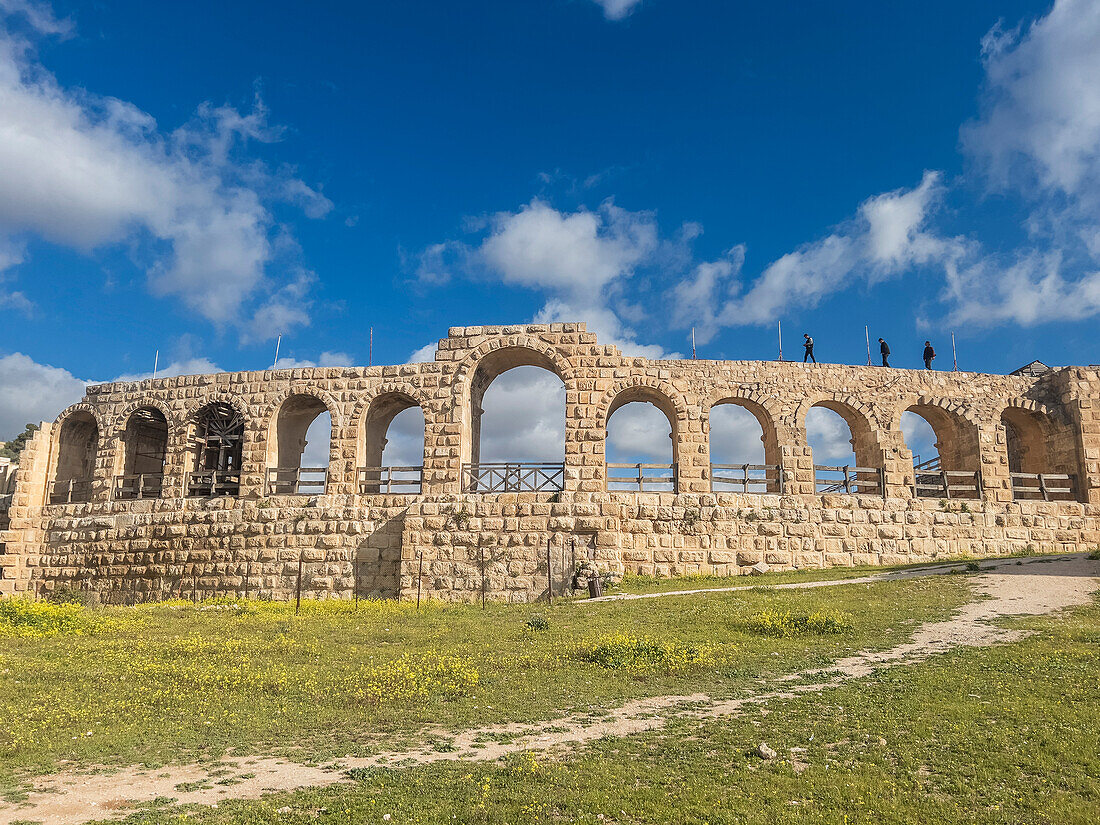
[1036, 586]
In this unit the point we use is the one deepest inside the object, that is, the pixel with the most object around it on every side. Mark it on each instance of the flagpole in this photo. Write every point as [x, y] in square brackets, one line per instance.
[954, 355]
[278, 341]
[693, 343]
[780, 340]
[156, 363]
[867, 335]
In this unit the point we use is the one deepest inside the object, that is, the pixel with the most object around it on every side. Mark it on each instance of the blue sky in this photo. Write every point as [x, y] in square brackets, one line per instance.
[199, 178]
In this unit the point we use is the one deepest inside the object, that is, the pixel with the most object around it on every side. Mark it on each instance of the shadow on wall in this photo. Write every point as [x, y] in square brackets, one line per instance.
[378, 561]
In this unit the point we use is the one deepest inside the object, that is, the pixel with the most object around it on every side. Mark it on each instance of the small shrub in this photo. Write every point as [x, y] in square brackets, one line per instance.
[66, 595]
[27, 619]
[973, 567]
[538, 622]
[782, 623]
[640, 655]
[1094, 555]
[409, 678]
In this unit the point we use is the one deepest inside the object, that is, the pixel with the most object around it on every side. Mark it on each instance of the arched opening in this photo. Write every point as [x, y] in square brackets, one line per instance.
[516, 439]
[744, 448]
[298, 442]
[144, 448]
[217, 442]
[944, 446]
[392, 446]
[640, 442]
[74, 468]
[1042, 456]
[846, 456]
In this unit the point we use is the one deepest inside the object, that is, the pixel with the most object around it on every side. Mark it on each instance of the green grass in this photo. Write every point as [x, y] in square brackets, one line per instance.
[179, 682]
[998, 735]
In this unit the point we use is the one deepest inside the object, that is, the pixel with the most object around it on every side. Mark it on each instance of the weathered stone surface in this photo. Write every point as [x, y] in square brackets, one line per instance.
[450, 544]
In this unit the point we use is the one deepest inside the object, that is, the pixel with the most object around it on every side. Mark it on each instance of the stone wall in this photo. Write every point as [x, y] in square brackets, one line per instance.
[374, 545]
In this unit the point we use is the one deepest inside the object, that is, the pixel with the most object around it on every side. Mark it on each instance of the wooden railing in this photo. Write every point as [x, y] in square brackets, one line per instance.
[142, 485]
[71, 491]
[513, 477]
[746, 478]
[1044, 486]
[213, 483]
[852, 480]
[642, 478]
[390, 480]
[297, 481]
[946, 483]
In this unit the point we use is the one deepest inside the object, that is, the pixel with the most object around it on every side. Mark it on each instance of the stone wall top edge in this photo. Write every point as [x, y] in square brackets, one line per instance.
[431, 367]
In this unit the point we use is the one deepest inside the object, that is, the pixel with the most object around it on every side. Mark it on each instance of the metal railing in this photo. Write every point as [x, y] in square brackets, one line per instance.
[71, 491]
[297, 481]
[852, 481]
[211, 483]
[746, 478]
[642, 478]
[513, 477]
[946, 483]
[142, 485]
[1044, 486]
[390, 480]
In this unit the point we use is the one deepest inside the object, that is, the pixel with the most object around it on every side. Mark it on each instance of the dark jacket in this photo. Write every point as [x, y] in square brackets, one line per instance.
[929, 353]
[884, 348]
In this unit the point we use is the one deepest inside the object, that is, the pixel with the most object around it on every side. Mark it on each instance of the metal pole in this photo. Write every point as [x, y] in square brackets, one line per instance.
[278, 341]
[867, 335]
[419, 576]
[549, 576]
[693, 343]
[482, 578]
[156, 363]
[298, 588]
[370, 352]
[780, 340]
[954, 355]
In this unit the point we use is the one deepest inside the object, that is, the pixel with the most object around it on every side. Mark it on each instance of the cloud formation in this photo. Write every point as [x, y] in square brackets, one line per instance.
[889, 236]
[88, 172]
[617, 9]
[33, 392]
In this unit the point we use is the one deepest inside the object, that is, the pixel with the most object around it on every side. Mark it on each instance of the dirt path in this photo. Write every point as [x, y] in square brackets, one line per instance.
[1037, 586]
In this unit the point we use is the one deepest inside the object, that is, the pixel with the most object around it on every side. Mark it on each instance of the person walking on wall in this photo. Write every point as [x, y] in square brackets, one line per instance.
[929, 354]
[809, 345]
[884, 348]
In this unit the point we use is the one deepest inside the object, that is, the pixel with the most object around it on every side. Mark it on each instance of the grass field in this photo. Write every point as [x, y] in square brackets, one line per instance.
[1000, 735]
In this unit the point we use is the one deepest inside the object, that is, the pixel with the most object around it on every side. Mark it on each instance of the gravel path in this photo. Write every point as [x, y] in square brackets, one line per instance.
[1030, 586]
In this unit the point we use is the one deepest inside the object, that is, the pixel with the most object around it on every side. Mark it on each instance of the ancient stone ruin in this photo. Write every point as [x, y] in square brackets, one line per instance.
[193, 486]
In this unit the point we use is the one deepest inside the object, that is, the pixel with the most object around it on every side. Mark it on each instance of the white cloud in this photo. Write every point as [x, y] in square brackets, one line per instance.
[578, 259]
[1040, 119]
[888, 236]
[33, 392]
[829, 437]
[735, 436]
[325, 359]
[576, 254]
[88, 171]
[639, 432]
[524, 417]
[424, 355]
[617, 9]
[1030, 290]
[185, 366]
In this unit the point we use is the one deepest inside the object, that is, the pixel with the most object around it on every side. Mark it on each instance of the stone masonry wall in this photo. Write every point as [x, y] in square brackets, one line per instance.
[464, 544]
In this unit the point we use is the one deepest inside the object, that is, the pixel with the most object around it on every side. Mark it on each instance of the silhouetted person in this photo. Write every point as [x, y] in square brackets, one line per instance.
[809, 345]
[929, 354]
[884, 348]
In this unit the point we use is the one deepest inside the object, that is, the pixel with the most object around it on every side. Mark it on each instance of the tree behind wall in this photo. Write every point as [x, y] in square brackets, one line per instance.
[13, 448]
